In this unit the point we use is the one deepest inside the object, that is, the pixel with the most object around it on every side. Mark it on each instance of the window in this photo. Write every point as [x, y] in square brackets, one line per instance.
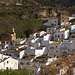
[51, 47]
[27, 63]
[54, 55]
[62, 13]
[62, 20]
[58, 35]
[58, 31]
[56, 51]
[68, 50]
[7, 68]
[34, 65]
[62, 17]
[55, 35]
[16, 55]
[51, 50]
[7, 61]
[73, 50]
[56, 46]
[62, 35]
[21, 63]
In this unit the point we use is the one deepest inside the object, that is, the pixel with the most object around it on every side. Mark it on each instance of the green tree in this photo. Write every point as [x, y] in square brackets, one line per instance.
[13, 72]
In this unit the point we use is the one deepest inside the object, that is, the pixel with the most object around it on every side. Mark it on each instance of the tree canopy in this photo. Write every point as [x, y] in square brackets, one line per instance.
[13, 72]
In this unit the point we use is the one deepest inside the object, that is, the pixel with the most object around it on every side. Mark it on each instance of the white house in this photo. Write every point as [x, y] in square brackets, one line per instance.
[50, 29]
[2, 56]
[72, 17]
[20, 40]
[9, 63]
[54, 48]
[37, 63]
[65, 47]
[72, 47]
[61, 34]
[39, 51]
[52, 22]
[45, 39]
[18, 54]
[72, 28]
[37, 34]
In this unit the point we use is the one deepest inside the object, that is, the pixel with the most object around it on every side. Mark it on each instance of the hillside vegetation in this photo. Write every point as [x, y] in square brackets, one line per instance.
[26, 19]
[59, 4]
[66, 3]
[12, 72]
[22, 18]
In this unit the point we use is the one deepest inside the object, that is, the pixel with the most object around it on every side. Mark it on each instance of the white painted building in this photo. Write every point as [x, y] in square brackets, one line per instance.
[45, 39]
[72, 28]
[73, 15]
[54, 48]
[39, 51]
[70, 18]
[52, 22]
[61, 34]
[50, 29]
[9, 63]
[37, 34]
[72, 47]
[37, 63]
[18, 54]
[65, 47]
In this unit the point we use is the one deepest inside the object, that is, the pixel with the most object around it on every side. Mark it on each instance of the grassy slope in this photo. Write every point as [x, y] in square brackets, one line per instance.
[10, 16]
[21, 26]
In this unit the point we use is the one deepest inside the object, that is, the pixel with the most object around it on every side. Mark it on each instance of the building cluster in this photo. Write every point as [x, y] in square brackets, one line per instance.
[41, 48]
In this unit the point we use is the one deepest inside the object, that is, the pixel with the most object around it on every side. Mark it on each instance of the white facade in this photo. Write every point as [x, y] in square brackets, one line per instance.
[70, 18]
[38, 51]
[54, 48]
[65, 47]
[72, 47]
[37, 34]
[45, 39]
[73, 28]
[52, 22]
[33, 35]
[9, 63]
[50, 30]
[64, 34]
[14, 53]
[41, 51]
[35, 45]
[73, 15]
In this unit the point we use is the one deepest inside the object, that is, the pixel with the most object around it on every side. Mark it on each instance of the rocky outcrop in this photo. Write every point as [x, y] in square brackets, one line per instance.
[42, 14]
[53, 13]
[24, 17]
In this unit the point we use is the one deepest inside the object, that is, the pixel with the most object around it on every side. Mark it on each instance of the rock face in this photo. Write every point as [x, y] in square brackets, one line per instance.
[24, 17]
[33, 15]
[53, 13]
[46, 14]
[42, 14]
